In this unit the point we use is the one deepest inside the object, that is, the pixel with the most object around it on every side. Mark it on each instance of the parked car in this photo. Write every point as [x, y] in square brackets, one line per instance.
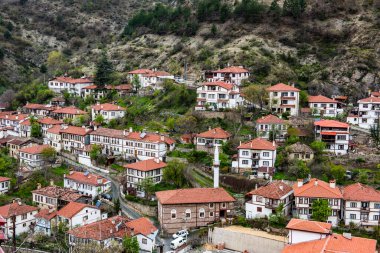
[107, 196]
[178, 242]
[182, 233]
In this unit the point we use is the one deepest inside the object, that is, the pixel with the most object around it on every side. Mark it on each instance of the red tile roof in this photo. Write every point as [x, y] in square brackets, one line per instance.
[72, 208]
[140, 71]
[50, 121]
[102, 230]
[65, 79]
[282, 87]
[320, 99]
[58, 192]
[317, 189]
[14, 117]
[90, 179]
[194, 195]
[15, 209]
[375, 94]
[76, 130]
[25, 123]
[331, 123]
[270, 119]
[334, 243]
[37, 149]
[232, 69]
[70, 110]
[149, 137]
[370, 100]
[123, 87]
[227, 86]
[107, 107]
[90, 87]
[146, 165]
[216, 133]
[360, 192]
[157, 74]
[46, 214]
[258, 144]
[39, 107]
[309, 226]
[274, 190]
[102, 131]
[141, 226]
[54, 129]
[4, 179]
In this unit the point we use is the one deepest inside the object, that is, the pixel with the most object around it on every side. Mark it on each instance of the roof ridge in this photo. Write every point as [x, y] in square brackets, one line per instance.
[325, 244]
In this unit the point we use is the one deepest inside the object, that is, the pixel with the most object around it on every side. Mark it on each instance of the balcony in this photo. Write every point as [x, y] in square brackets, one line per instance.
[364, 209]
[255, 156]
[288, 98]
[270, 205]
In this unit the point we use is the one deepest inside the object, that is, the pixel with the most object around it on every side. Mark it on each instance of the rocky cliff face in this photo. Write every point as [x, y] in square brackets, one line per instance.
[333, 48]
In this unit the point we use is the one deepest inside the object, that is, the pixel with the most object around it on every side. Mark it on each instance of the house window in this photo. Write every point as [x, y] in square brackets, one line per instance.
[211, 214]
[377, 205]
[224, 205]
[259, 209]
[144, 241]
[188, 214]
[334, 212]
[24, 216]
[173, 214]
[265, 163]
[211, 205]
[341, 137]
[300, 200]
[24, 225]
[201, 213]
[245, 153]
[353, 204]
[365, 106]
[244, 162]
[376, 217]
[336, 202]
[341, 147]
[265, 154]
[352, 216]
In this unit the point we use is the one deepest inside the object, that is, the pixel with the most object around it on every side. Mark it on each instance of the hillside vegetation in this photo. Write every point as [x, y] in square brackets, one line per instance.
[323, 46]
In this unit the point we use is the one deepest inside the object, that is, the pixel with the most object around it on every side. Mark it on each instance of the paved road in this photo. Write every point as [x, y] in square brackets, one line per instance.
[360, 129]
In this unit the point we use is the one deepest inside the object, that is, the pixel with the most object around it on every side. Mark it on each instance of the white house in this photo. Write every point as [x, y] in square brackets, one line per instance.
[69, 112]
[284, 98]
[74, 138]
[53, 137]
[306, 193]
[86, 183]
[138, 171]
[303, 230]
[24, 217]
[45, 221]
[233, 74]
[71, 85]
[145, 232]
[108, 111]
[208, 140]
[323, 106]
[267, 198]
[271, 127]
[368, 113]
[361, 205]
[335, 134]
[12, 120]
[5, 184]
[78, 214]
[39, 110]
[149, 78]
[255, 154]
[47, 123]
[218, 95]
[32, 156]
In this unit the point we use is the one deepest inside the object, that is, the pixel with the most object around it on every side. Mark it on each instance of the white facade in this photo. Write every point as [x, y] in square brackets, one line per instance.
[150, 78]
[23, 221]
[284, 98]
[297, 236]
[249, 158]
[260, 206]
[54, 139]
[335, 134]
[108, 111]
[324, 109]
[4, 186]
[368, 113]
[147, 243]
[278, 130]
[31, 160]
[364, 213]
[71, 85]
[86, 216]
[87, 188]
[233, 74]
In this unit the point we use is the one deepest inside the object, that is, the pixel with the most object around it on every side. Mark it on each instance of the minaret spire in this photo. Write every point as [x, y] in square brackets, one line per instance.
[216, 167]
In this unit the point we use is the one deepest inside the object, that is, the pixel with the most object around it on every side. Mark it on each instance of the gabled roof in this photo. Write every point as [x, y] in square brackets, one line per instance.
[232, 69]
[282, 87]
[39, 107]
[123, 87]
[149, 137]
[58, 192]
[37, 149]
[309, 226]
[320, 99]
[107, 107]
[193, 196]
[334, 243]
[227, 86]
[299, 148]
[157, 74]
[370, 100]
[14, 117]
[140, 71]
[76, 130]
[102, 131]
[146, 165]
[258, 144]
[317, 189]
[54, 129]
[46, 214]
[49, 121]
[274, 190]
[72, 208]
[331, 123]
[4, 179]
[70, 110]
[66, 79]
[270, 119]
[15, 209]
[216, 133]
[86, 178]
[360, 192]
[141, 226]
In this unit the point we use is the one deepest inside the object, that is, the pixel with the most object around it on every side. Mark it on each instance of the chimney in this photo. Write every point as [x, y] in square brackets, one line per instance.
[51, 182]
[316, 182]
[71, 172]
[83, 126]
[157, 160]
[209, 128]
[347, 236]
[299, 182]
[162, 138]
[130, 129]
[255, 186]
[332, 183]
[99, 181]
[216, 167]
[274, 143]
[38, 186]
[125, 132]
[64, 175]
[19, 202]
[281, 187]
[16, 117]
[113, 221]
[98, 103]
[270, 177]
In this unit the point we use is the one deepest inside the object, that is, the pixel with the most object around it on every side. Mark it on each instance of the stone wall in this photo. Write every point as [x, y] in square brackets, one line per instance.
[143, 209]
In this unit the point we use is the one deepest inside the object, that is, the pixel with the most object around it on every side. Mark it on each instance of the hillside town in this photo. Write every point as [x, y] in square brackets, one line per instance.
[247, 169]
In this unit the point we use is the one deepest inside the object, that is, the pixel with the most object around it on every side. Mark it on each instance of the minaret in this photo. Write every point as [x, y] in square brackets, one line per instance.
[216, 167]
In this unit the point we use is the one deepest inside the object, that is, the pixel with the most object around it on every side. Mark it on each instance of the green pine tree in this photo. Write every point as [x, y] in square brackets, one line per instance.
[104, 72]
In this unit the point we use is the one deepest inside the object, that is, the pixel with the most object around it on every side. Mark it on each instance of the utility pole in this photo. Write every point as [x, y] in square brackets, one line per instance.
[185, 72]
[14, 233]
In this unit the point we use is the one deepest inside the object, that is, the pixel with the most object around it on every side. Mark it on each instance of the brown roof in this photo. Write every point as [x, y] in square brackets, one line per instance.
[370, 100]
[216, 133]
[232, 69]
[227, 86]
[309, 226]
[75, 130]
[149, 137]
[72, 208]
[71, 80]
[320, 99]
[141, 226]
[270, 119]
[107, 107]
[15, 209]
[146, 165]
[54, 129]
[39, 107]
[360, 192]
[258, 144]
[194, 195]
[70, 110]
[102, 131]
[37, 149]
[46, 214]
[140, 71]
[317, 189]
[102, 230]
[19, 141]
[272, 190]
[300, 148]
[50, 121]
[334, 243]
[86, 178]
[282, 87]
[62, 193]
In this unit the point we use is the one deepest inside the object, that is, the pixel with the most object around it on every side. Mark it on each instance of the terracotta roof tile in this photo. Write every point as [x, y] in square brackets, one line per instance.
[360, 192]
[39, 107]
[227, 86]
[50, 121]
[320, 99]
[107, 107]
[90, 179]
[72, 208]
[232, 69]
[272, 190]
[317, 189]
[216, 133]
[194, 195]
[37, 149]
[270, 119]
[146, 165]
[58, 192]
[258, 144]
[282, 87]
[102, 131]
[140, 71]
[148, 137]
[69, 110]
[54, 129]
[370, 100]
[4, 179]
[141, 226]
[331, 123]
[14, 117]
[65, 79]
[46, 214]
[309, 226]
[16, 209]
[76, 130]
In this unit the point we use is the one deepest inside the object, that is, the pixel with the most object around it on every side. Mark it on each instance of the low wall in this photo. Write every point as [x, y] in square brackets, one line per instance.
[211, 114]
[144, 209]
